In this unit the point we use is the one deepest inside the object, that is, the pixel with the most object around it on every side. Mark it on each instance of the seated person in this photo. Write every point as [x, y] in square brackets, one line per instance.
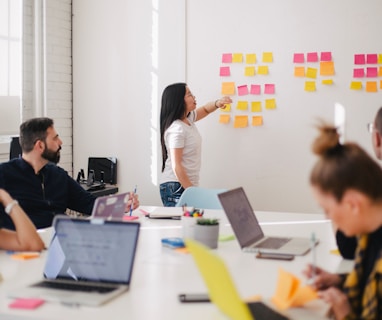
[25, 238]
[42, 188]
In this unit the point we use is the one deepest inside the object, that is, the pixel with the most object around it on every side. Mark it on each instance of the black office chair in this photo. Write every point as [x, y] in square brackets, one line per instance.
[15, 148]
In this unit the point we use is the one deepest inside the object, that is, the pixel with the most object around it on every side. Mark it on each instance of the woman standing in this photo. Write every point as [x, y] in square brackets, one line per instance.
[181, 141]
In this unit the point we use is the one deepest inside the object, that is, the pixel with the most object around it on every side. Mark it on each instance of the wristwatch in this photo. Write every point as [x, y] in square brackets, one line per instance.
[10, 206]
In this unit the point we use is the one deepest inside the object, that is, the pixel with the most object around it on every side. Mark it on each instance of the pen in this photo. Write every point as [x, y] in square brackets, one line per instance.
[132, 200]
[313, 243]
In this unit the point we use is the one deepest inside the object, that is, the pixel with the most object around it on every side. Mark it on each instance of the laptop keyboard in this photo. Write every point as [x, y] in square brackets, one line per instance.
[74, 287]
[261, 311]
[272, 243]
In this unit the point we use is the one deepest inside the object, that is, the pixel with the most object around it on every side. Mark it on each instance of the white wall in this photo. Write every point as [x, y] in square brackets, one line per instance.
[120, 68]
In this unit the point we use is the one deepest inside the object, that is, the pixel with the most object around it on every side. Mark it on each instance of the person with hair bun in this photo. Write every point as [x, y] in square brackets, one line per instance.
[347, 183]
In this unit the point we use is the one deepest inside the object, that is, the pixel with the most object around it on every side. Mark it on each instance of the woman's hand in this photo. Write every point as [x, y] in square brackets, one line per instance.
[221, 103]
[338, 301]
[320, 279]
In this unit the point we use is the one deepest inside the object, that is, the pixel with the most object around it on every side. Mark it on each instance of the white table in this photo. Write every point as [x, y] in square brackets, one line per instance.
[160, 274]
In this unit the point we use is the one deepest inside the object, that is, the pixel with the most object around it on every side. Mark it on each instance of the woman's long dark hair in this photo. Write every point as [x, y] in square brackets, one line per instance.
[172, 109]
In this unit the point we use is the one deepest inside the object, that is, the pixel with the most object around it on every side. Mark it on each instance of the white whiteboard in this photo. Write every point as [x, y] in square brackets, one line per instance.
[273, 162]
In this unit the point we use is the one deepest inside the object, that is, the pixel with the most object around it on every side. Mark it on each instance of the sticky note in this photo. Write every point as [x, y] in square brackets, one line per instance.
[371, 86]
[358, 72]
[359, 59]
[250, 58]
[371, 72]
[298, 58]
[255, 89]
[227, 108]
[327, 68]
[267, 57]
[310, 86]
[380, 72]
[372, 58]
[242, 90]
[242, 105]
[270, 104]
[299, 71]
[380, 84]
[249, 71]
[257, 121]
[224, 118]
[312, 57]
[28, 303]
[326, 56]
[327, 81]
[356, 85]
[269, 88]
[240, 122]
[311, 73]
[380, 58]
[227, 58]
[228, 88]
[256, 106]
[262, 70]
[25, 255]
[237, 57]
[225, 71]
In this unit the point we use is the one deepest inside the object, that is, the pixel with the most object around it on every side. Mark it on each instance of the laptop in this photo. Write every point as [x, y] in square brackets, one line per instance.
[222, 290]
[89, 262]
[248, 230]
[110, 207]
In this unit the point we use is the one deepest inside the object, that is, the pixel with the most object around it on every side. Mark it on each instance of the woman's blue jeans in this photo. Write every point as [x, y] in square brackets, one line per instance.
[170, 193]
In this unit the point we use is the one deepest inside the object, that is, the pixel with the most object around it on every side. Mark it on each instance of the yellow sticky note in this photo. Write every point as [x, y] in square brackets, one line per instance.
[270, 104]
[356, 85]
[380, 58]
[228, 88]
[242, 105]
[311, 73]
[250, 58]
[249, 71]
[237, 57]
[327, 81]
[326, 68]
[371, 86]
[257, 121]
[263, 70]
[227, 108]
[310, 86]
[267, 57]
[256, 106]
[299, 71]
[224, 118]
[240, 122]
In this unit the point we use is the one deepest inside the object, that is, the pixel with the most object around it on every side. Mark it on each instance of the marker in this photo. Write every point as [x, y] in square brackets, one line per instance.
[313, 243]
[132, 200]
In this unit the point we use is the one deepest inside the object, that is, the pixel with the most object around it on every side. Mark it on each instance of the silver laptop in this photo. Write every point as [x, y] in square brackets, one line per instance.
[248, 230]
[110, 207]
[88, 262]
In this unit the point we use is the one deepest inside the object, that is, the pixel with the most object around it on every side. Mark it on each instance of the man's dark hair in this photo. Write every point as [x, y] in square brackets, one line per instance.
[33, 130]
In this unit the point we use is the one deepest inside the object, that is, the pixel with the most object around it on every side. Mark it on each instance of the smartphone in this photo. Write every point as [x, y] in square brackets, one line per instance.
[194, 297]
[276, 256]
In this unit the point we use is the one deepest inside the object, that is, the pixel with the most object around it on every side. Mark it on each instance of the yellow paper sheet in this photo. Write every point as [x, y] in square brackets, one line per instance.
[311, 73]
[356, 85]
[249, 71]
[267, 57]
[242, 105]
[227, 108]
[270, 104]
[327, 81]
[256, 106]
[250, 58]
[237, 57]
[310, 86]
[263, 70]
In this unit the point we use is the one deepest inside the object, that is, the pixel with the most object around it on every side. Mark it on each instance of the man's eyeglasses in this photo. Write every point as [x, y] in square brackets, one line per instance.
[370, 127]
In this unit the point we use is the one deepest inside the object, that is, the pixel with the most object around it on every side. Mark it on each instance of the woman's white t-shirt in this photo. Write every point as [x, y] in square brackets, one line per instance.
[181, 135]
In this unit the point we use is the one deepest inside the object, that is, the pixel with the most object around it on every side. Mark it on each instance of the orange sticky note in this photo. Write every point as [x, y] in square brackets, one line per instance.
[371, 86]
[326, 68]
[240, 122]
[299, 71]
[224, 118]
[228, 88]
[257, 121]
[25, 255]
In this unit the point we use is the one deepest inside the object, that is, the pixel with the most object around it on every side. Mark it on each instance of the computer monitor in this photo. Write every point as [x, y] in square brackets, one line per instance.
[107, 165]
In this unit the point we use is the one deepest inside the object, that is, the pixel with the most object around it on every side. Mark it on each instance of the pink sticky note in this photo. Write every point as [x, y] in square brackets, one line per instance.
[227, 58]
[255, 89]
[29, 303]
[269, 88]
[326, 56]
[312, 57]
[242, 90]
[359, 59]
[225, 71]
[372, 58]
[298, 58]
[371, 72]
[358, 73]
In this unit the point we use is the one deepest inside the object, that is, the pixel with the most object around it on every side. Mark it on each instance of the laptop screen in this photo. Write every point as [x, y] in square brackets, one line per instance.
[92, 250]
[241, 216]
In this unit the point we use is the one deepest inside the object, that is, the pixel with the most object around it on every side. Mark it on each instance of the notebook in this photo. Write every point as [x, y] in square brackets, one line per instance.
[248, 230]
[89, 262]
[222, 290]
[110, 207]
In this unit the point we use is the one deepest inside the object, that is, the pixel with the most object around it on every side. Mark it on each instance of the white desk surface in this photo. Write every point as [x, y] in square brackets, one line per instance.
[160, 274]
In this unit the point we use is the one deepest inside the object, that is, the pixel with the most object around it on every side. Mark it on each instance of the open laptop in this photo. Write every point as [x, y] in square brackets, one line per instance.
[88, 262]
[248, 230]
[222, 290]
[110, 207]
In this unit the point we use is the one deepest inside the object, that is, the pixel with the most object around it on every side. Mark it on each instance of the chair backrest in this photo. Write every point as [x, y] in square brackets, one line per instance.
[15, 148]
[203, 198]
